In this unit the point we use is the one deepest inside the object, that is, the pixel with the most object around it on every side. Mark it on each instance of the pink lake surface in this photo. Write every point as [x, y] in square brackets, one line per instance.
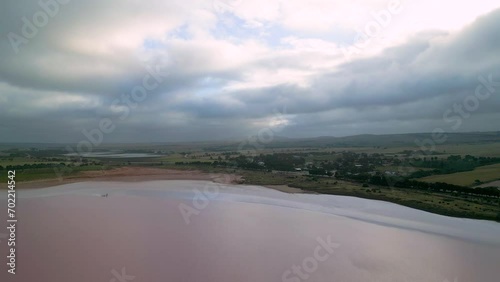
[70, 233]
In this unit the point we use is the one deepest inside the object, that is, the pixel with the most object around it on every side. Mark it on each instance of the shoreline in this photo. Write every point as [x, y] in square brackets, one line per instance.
[132, 174]
[140, 174]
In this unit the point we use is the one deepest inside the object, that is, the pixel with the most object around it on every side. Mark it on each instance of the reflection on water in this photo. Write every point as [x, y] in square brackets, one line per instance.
[240, 233]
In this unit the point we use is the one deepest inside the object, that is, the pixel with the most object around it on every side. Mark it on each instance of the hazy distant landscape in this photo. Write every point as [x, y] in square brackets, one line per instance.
[459, 178]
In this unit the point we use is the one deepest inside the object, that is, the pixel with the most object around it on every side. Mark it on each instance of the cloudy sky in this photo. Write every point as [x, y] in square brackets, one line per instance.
[177, 70]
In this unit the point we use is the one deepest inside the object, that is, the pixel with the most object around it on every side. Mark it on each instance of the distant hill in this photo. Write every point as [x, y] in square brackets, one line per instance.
[373, 140]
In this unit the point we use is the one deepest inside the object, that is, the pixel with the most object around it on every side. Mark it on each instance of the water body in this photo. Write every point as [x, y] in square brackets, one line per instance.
[239, 233]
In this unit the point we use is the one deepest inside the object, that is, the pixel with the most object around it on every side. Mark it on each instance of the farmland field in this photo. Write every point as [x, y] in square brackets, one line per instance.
[484, 174]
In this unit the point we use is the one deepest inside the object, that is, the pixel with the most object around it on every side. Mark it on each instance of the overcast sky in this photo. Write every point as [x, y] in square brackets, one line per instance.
[220, 69]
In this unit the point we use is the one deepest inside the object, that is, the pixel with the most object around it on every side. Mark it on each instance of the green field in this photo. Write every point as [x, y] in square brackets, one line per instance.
[480, 150]
[484, 174]
[47, 173]
[5, 161]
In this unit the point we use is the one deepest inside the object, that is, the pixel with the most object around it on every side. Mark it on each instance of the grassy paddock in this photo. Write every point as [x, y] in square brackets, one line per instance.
[5, 161]
[47, 173]
[486, 173]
